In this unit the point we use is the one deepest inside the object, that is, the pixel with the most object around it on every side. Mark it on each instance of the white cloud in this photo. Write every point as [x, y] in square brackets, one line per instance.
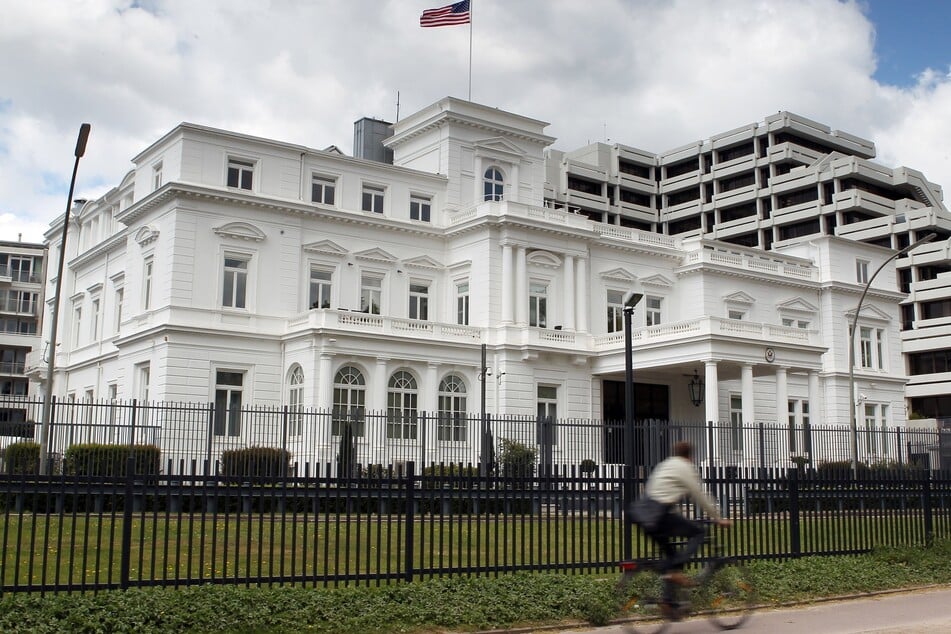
[653, 74]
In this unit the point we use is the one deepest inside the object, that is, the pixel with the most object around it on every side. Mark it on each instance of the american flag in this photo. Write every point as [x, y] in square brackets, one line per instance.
[446, 16]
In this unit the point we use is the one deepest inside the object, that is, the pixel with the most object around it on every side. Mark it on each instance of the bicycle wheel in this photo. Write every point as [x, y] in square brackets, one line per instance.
[731, 596]
[639, 594]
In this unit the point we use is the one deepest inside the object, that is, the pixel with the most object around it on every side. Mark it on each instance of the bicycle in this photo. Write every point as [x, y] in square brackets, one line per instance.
[722, 589]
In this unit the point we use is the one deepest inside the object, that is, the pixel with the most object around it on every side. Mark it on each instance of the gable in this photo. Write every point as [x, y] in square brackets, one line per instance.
[869, 312]
[739, 297]
[498, 146]
[545, 259]
[797, 305]
[657, 280]
[619, 275]
[422, 262]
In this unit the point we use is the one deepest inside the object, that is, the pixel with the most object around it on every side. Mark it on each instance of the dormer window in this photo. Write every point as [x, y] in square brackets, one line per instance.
[240, 173]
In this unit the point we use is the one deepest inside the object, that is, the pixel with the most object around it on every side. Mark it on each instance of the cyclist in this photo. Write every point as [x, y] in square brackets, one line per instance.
[672, 480]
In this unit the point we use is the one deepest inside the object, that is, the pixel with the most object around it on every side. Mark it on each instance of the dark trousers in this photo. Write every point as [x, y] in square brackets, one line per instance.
[676, 525]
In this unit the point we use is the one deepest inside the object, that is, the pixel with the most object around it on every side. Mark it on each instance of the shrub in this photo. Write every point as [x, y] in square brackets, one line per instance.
[255, 462]
[22, 458]
[94, 459]
[588, 466]
[517, 459]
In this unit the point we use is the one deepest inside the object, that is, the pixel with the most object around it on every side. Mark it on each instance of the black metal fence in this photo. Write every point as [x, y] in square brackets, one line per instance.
[190, 436]
[150, 495]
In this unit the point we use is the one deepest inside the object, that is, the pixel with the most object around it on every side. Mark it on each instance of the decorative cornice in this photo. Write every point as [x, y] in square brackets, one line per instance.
[376, 255]
[146, 235]
[325, 247]
[240, 231]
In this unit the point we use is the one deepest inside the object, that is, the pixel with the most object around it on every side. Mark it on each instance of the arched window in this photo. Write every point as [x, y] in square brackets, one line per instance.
[295, 401]
[349, 401]
[452, 409]
[493, 183]
[402, 398]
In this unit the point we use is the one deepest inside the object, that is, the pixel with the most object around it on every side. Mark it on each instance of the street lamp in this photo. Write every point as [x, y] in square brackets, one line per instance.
[629, 302]
[853, 434]
[48, 397]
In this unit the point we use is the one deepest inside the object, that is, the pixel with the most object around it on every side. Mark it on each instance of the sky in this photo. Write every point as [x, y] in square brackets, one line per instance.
[652, 74]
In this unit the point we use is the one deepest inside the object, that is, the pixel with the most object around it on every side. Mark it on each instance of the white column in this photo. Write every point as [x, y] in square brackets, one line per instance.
[521, 287]
[376, 424]
[508, 283]
[782, 396]
[711, 406]
[814, 409]
[429, 403]
[570, 299]
[749, 410]
[581, 294]
[323, 452]
[477, 175]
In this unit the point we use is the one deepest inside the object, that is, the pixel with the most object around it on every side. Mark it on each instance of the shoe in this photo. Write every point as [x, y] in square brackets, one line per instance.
[680, 579]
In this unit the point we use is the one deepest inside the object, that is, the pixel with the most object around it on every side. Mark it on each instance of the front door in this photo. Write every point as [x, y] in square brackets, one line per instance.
[651, 403]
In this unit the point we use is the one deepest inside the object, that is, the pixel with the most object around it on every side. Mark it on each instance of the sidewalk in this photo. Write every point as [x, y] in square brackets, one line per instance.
[913, 612]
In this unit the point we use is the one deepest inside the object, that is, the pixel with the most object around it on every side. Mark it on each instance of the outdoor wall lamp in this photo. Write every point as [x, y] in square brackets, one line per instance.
[695, 386]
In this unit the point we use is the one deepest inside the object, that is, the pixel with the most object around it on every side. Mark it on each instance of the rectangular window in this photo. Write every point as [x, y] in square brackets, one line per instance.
[791, 419]
[880, 348]
[235, 286]
[789, 322]
[547, 403]
[21, 269]
[371, 291]
[462, 303]
[94, 325]
[228, 388]
[120, 293]
[736, 314]
[373, 199]
[156, 176]
[148, 269]
[865, 347]
[736, 422]
[538, 304]
[240, 173]
[322, 189]
[615, 311]
[418, 301]
[419, 207]
[320, 286]
[653, 309]
[861, 271]
[143, 378]
[77, 325]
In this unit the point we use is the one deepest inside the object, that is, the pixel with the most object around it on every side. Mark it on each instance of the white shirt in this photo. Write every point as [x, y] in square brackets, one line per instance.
[675, 478]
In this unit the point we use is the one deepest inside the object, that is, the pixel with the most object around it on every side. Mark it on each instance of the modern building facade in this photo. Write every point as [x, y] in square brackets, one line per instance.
[232, 270]
[22, 273]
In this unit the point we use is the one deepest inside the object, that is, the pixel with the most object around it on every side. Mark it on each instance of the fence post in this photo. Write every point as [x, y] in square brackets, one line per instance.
[762, 450]
[408, 551]
[126, 554]
[132, 430]
[710, 452]
[795, 544]
[211, 432]
[926, 508]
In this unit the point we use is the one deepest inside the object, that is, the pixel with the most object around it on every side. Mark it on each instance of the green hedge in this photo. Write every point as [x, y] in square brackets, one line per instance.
[255, 462]
[93, 459]
[22, 458]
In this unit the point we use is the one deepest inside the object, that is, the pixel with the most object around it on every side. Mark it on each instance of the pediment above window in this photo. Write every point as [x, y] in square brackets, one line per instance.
[498, 147]
[376, 255]
[869, 312]
[146, 235]
[740, 297]
[423, 262]
[240, 231]
[797, 305]
[325, 247]
[657, 281]
[544, 259]
[619, 275]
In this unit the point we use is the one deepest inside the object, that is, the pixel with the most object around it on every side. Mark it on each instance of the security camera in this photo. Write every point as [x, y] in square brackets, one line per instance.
[863, 397]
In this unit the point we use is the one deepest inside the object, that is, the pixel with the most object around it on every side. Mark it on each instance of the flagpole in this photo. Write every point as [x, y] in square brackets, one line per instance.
[471, 2]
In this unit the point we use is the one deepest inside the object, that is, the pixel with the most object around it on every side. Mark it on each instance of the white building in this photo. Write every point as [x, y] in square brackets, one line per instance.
[231, 269]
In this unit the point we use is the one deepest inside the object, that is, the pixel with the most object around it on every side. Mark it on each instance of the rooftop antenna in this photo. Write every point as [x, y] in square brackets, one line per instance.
[397, 105]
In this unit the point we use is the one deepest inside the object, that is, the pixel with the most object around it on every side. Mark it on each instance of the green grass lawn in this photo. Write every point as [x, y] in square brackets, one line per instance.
[86, 549]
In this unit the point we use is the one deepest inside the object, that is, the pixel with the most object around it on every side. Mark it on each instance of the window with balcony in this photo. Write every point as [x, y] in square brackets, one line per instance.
[493, 184]
[615, 311]
[653, 310]
[371, 294]
[538, 304]
[321, 284]
[462, 303]
[419, 300]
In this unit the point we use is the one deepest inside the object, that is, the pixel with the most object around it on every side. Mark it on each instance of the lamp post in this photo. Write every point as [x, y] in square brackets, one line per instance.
[630, 301]
[853, 433]
[48, 396]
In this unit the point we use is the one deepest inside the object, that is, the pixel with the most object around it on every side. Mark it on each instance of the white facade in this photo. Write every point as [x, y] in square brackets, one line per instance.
[223, 270]
[22, 272]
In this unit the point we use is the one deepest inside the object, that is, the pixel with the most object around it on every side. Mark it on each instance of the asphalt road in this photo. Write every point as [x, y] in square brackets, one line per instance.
[918, 612]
